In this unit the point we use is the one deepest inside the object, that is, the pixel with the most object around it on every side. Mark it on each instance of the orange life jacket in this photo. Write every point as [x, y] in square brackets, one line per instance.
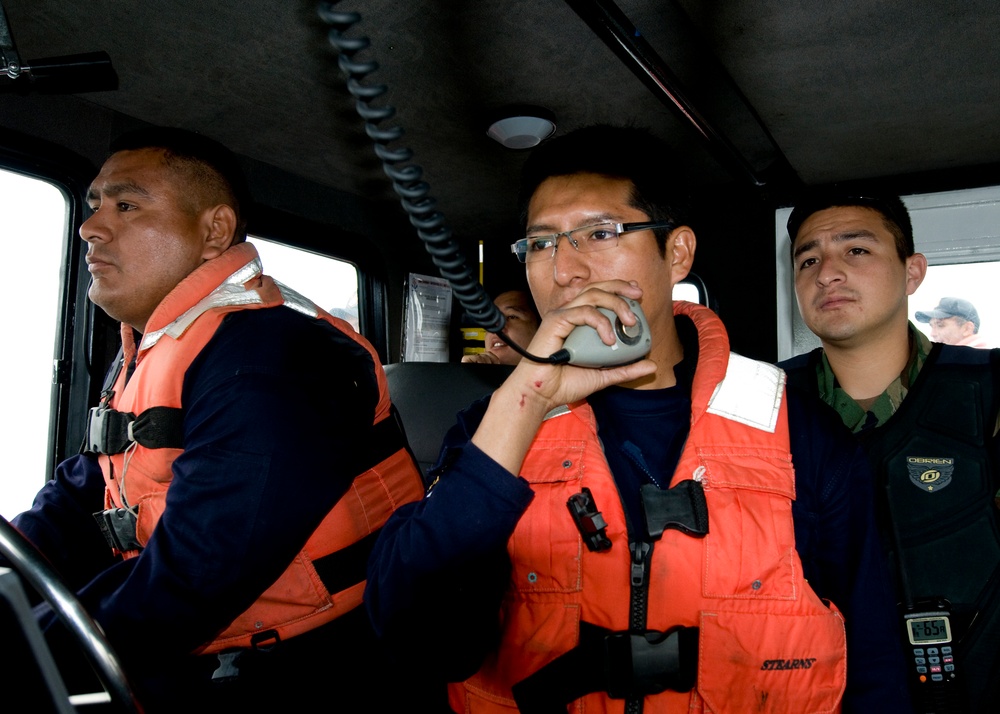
[138, 478]
[767, 641]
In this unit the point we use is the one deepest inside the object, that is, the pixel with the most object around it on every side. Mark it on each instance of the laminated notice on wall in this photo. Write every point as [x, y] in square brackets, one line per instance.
[427, 319]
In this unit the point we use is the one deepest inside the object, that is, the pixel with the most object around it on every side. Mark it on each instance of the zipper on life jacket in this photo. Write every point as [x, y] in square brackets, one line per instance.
[641, 553]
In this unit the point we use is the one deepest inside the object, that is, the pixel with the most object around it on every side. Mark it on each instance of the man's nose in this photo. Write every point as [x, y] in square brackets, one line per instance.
[94, 228]
[568, 263]
[830, 271]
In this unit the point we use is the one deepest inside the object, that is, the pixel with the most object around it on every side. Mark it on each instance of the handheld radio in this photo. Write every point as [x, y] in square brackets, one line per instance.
[935, 679]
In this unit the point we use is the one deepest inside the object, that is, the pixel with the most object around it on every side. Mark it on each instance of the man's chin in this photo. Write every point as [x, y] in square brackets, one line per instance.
[839, 335]
[98, 297]
[106, 303]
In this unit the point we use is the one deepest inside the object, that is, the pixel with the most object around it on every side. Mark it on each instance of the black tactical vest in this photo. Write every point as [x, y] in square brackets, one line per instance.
[937, 474]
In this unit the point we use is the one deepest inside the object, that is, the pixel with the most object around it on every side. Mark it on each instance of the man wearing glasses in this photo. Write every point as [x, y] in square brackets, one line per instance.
[637, 532]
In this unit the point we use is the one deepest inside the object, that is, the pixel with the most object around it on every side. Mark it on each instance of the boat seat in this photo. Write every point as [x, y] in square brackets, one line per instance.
[428, 396]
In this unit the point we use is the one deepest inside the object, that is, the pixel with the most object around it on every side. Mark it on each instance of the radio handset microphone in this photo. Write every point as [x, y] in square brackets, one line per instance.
[632, 342]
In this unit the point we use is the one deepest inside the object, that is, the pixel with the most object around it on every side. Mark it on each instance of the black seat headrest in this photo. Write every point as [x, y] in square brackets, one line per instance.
[428, 395]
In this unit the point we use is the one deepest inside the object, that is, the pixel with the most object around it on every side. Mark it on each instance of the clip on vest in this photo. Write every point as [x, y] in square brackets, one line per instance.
[108, 431]
[111, 432]
[118, 526]
[682, 507]
[624, 664]
[229, 666]
[641, 663]
[589, 520]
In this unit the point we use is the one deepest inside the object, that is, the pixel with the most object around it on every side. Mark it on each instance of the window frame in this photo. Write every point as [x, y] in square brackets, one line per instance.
[297, 232]
[73, 371]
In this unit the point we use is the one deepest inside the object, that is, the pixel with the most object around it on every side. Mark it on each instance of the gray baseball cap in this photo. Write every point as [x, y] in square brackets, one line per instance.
[951, 307]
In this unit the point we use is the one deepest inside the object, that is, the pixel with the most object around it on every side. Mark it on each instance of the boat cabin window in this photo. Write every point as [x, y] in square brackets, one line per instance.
[33, 222]
[691, 289]
[330, 283]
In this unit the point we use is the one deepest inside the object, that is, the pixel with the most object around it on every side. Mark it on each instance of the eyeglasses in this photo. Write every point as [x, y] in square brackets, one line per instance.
[586, 239]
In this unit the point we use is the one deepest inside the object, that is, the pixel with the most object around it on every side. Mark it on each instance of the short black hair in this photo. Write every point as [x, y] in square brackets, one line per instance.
[890, 206]
[620, 152]
[214, 164]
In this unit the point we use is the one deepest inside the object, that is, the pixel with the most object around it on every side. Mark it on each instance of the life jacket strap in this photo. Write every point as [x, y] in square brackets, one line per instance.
[346, 567]
[111, 432]
[623, 664]
[349, 566]
[387, 437]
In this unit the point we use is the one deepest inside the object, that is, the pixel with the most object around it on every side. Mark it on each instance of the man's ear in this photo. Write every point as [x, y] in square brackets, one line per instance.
[220, 229]
[681, 244]
[916, 269]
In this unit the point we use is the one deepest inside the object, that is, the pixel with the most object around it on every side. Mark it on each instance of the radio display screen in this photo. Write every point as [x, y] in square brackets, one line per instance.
[928, 630]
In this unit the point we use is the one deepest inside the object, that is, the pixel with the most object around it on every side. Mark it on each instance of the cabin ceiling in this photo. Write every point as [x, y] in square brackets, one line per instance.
[841, 90]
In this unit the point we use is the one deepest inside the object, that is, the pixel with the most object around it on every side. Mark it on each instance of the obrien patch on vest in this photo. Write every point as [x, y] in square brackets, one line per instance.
[930, 473]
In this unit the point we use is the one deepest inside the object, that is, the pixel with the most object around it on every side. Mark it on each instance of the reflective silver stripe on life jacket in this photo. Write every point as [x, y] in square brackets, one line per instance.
[230, 292]
[297, 301]
[750, 393]
[556, 411]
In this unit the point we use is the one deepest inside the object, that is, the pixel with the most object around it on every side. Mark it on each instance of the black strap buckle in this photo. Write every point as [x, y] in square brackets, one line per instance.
[641, 663]
[682, 507]
[107, 431]
[623, 664]
[112, 432]
[229, 666]
[118, 526]
[230, 661]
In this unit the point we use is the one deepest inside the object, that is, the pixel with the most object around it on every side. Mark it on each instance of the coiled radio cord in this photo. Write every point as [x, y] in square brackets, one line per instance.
[407, 177]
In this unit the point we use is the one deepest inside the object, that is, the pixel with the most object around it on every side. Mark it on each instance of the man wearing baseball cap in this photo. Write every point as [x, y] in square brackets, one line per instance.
[954, 322]
[927, 415]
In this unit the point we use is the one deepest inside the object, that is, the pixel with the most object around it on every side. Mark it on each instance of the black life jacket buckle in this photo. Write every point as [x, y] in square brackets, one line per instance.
[108, 431]
[229, 666]
[118, 526]
[111, 432]
[650, 662]
[624, 664]
[682, 507]
[97, 430]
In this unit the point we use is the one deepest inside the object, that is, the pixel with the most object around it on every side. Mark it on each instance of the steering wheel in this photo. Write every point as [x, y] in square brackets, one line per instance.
[35, 569]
